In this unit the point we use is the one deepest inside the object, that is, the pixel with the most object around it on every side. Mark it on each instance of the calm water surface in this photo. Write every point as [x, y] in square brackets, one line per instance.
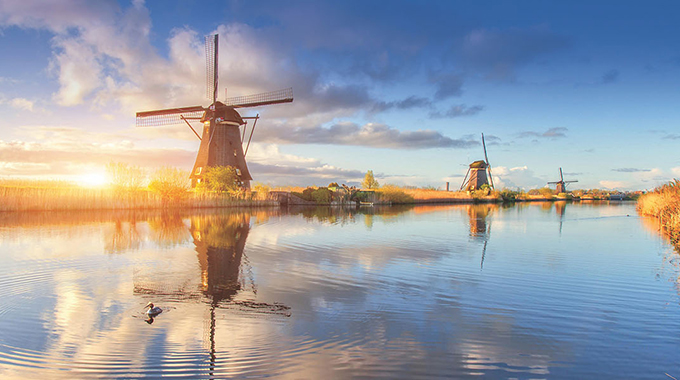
[527, 291]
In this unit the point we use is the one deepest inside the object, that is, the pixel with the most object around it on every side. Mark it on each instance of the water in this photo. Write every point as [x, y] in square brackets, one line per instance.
[526, 291]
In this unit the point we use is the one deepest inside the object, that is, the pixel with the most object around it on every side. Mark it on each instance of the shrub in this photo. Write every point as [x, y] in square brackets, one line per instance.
[393, 194]
[261, 190]
[322, 195]
[125, 177]
[222, 179]
[546, 192]
[170, 184]
[509, 195]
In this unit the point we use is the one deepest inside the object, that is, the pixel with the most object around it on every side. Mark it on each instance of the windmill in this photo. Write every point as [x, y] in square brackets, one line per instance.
[221, 140]
[476, 175]
[561, 184]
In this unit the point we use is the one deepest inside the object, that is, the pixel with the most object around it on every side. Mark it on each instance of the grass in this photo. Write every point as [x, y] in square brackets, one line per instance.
[20, 195]
[664, 204]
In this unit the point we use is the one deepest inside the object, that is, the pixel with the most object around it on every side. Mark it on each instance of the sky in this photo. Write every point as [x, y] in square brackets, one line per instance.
[402, 88]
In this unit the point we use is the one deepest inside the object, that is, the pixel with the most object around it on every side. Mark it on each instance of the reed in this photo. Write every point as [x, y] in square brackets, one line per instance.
[664, 204]
[21, 195]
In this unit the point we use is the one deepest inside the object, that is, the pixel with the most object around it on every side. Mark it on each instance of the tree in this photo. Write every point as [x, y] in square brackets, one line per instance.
[222, 179]
[369, 181]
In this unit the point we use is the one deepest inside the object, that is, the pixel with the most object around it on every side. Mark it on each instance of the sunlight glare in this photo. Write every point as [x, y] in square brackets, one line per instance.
[93, 179]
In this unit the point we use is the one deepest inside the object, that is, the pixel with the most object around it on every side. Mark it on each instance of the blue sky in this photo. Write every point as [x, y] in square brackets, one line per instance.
[402, 88]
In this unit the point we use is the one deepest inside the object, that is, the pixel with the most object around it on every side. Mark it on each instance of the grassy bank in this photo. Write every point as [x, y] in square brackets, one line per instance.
[664, 204]
[62, 196]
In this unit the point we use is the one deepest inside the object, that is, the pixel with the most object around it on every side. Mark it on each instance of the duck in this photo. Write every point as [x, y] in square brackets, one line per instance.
[153, 310]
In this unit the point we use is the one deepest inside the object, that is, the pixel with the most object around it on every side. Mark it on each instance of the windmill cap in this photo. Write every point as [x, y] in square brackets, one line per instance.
[478, 164]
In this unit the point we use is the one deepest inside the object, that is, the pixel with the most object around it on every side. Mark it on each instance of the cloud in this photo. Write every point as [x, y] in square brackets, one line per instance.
[614, 185]
[631, 170]
[672, 136]
[404, 104]
[610, 76]
[517, 177]
[447, 85]
[22, 104]
[457, 110]
[497, 53]
[370, 135]
[552, 133]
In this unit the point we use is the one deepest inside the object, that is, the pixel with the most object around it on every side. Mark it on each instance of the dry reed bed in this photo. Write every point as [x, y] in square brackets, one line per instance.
[78, 198]
[664, 204]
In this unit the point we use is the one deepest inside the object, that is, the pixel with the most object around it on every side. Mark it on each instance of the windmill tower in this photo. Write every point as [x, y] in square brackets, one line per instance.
[222, 139]
[478, 174]
[561, 184]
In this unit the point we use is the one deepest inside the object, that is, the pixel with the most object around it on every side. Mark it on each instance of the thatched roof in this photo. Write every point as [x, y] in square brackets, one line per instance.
[479, 165]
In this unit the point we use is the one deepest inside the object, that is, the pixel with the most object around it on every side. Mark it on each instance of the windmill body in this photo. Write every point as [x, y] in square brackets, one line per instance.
[221, 144]
[561, 185]
[478, 174]
[222, 138]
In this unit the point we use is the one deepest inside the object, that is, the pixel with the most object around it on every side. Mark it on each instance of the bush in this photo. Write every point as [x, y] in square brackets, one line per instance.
[222, 179]
[393, 194]
[261, 191]
[546, 192]
[125, 177]
[322, 195]
[509, 195]
[170, 184]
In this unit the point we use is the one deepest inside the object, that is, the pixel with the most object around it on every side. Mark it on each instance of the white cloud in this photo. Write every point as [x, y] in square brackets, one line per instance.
[614, 185]
[512, 178]
[22, 104]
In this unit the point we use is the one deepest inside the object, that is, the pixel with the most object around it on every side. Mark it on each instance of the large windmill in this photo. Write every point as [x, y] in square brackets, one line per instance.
[478, 174]
[561, 184]
[221, 140]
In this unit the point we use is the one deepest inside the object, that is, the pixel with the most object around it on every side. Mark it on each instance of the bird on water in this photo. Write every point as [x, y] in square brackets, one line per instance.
[153, 310]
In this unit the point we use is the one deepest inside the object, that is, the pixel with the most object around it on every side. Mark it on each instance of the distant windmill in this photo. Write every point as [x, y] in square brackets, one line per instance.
[561, 184]
[221, 142]
[477, 173]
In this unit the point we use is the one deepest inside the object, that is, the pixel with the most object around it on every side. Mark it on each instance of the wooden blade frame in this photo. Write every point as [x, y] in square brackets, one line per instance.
[263, 99]
[211, 66]
[488, 165]
[168, 116]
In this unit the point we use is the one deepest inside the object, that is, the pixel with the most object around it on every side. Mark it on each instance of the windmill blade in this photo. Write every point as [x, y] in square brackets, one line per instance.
[263, 99]
[168, 116]
[571, 181]
[211, 71]
[561, 177]
[553, 183]
[484, 145]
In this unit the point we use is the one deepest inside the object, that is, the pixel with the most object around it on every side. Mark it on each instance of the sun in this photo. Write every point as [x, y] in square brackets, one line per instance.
[94, 179]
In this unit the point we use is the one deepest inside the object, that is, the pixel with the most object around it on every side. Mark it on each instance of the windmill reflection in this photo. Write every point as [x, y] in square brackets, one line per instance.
[219, 243]
[560, 208]
[479, 228]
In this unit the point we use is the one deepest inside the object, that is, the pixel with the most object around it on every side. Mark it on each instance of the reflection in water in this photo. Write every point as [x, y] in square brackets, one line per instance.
[560, 208]
[398, 294]
[477, 214]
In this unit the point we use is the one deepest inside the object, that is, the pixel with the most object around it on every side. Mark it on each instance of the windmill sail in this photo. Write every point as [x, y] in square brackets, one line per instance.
[263, 99]
[211, 68]
[488, 165]
[168, 116]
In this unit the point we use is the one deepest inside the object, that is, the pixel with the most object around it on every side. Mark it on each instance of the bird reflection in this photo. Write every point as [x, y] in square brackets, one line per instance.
[478, 224]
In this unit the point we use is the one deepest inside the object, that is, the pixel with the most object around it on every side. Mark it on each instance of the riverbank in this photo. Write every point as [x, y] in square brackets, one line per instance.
[72, 198]
[664, 204]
